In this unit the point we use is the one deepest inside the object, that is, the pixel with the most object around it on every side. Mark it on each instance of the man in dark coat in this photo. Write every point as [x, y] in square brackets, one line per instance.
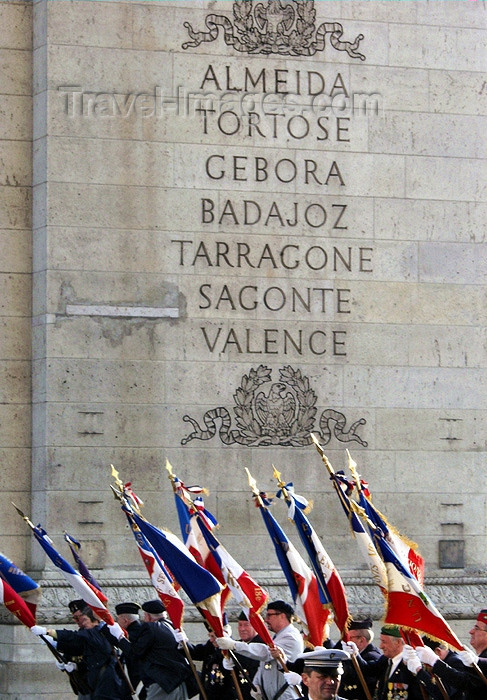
[162, 666]
[100, 659]
[394, 677]
[361, 633]
[450, 658]
[466, 680]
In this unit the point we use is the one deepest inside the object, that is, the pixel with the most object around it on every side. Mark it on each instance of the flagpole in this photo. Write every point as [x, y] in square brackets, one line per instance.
[327, 464]
[180, 494]
[120, 495]
[287, 498]
[258, 498]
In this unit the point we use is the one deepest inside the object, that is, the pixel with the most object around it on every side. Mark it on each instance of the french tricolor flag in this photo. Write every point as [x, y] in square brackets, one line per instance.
[310, 607]
[89, 593]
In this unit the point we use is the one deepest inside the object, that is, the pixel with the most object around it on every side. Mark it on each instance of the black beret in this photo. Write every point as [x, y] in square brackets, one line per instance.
[243, 616]
[365, 624]
[431, 643]
[281, 606]
[153, 607]
[127, 609]
[76, 605]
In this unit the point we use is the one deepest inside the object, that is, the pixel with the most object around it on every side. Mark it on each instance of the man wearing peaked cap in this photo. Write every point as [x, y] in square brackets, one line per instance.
[322, 672]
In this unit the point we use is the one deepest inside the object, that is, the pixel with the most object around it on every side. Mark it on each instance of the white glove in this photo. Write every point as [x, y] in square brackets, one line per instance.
[225, 643]
[256, 694]
[227, 663]
[408, 652]
[70, 666]
[292, 678]
[413, 663]
[467, 657]
[180, 636]
[38, 630]
[427, 655]
[61, 665]
[115, 630]
[351, 647]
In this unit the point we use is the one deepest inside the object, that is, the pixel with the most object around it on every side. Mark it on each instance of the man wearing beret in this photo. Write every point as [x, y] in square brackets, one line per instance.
[91, 643]
[153, 645]
[287, 638]
[478, 635]
[361, 633]
[398, 678]
[322, 671]
[77, 676]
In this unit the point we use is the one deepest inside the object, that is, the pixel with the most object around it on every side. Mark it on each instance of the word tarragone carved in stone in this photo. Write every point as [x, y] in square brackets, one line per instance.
[286, 27]
[284, 416]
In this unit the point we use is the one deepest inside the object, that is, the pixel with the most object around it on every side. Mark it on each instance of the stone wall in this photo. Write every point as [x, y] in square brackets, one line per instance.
[276, 230]
[15, 269]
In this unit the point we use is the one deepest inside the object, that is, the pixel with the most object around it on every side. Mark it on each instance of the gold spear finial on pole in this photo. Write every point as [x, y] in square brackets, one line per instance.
[280, 482]
[324, 458]
[352, 465]
[117, 479]
[253, 486]
[170, 474]
[23, 516]
[277, 476]
[169, 469]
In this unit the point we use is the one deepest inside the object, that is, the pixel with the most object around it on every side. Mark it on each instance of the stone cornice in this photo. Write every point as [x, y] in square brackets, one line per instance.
[457, 596]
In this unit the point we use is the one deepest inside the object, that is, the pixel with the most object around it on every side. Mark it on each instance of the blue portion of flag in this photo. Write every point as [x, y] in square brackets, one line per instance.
[305, 529]
[43, 539]
[373, 515]
[145, 544]
[184, 518]
[197, 583]
[15, 577]
[342, 491]
[281, 545]
[74, 545]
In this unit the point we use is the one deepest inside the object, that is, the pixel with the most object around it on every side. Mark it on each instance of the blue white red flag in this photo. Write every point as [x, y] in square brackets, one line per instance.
[16, 604]
[91, 595]
[406, 551]
[247, 593]
[196, 520]
[23, 585]
[189, 512]
[160, 578]
[300, 579]
[408, 605]
[75, 547]
[200, 585]
[332, 590]
[364, 541]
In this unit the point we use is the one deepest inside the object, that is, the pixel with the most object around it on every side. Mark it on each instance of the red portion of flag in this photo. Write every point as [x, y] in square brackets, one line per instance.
[16, 604]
